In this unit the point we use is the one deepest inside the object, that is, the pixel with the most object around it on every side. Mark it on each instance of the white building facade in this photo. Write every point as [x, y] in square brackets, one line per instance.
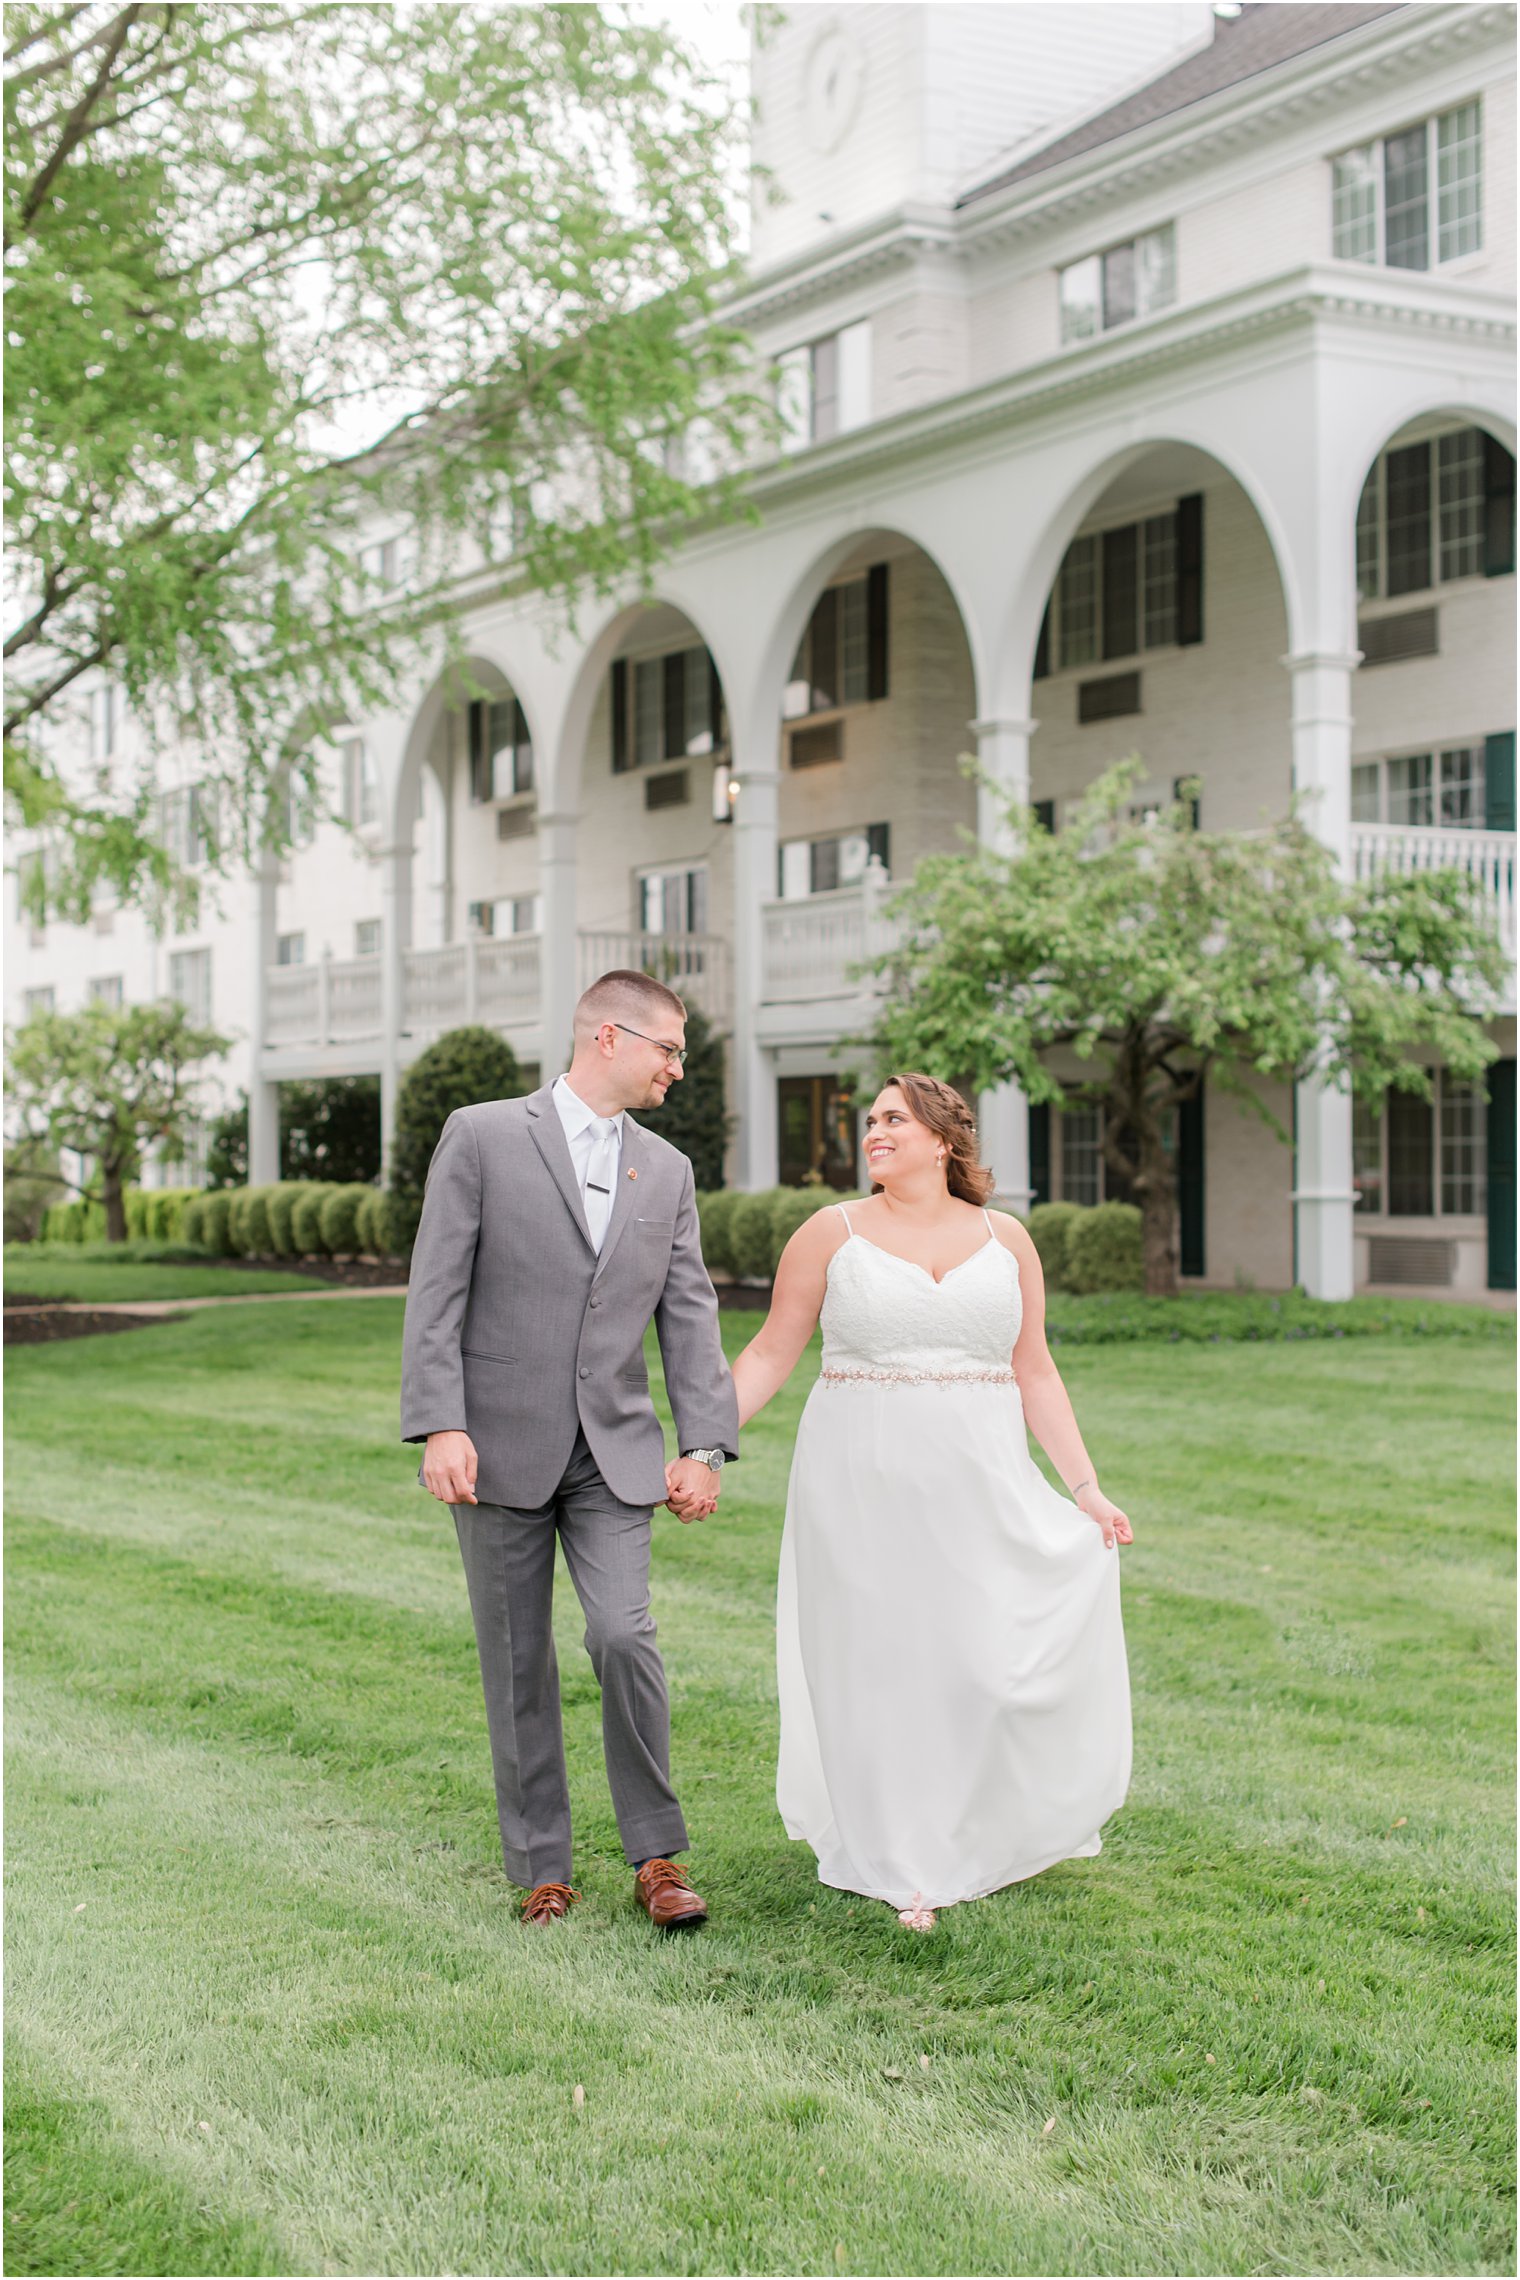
[1150, 382]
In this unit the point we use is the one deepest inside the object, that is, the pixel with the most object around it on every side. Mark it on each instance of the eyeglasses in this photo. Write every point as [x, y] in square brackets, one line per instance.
[676, 1053]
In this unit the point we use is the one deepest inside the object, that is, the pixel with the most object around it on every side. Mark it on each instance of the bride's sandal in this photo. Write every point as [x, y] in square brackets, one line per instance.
[917, 1918]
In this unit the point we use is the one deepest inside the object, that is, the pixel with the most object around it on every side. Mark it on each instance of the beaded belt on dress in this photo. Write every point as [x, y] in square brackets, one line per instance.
[917, 1377]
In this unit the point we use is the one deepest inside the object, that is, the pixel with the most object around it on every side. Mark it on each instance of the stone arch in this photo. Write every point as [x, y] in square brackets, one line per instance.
[449, 690]
[565, 773]
[1408, 408]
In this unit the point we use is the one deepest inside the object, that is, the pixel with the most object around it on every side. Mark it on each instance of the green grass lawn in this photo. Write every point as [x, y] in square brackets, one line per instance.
[47, 1270]
[270, 2009]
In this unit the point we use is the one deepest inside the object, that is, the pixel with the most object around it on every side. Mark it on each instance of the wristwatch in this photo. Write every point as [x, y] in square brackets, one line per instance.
[714, 1459]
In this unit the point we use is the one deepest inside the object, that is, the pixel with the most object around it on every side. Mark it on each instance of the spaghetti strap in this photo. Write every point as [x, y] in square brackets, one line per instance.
[986, 1214]
[844, 1215]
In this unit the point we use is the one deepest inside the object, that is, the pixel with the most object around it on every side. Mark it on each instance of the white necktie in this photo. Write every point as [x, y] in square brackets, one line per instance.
[601, 1174]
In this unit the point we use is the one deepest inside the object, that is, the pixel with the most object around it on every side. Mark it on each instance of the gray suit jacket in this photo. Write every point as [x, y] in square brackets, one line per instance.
[517, 1331]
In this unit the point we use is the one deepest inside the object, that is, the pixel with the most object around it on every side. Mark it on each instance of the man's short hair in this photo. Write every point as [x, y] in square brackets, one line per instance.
[628, 996]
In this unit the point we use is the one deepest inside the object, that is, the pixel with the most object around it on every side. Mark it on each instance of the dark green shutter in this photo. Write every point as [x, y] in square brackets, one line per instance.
[480, 749]
[1190, 568]
[876, 631]
[1498, 508]
[1039, 1152]
[1190, 1212]
[714, 702]
[1121, 591]
[879, 845]
[1042, 648]
[1499, 781]
[1195, 803]
[673, 698]
[1501, 1175]
[1045, 814]
[522, 749]
[619, 714]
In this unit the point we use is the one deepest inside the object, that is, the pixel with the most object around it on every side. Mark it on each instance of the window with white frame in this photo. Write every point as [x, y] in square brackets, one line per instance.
[823, 388]
[104, 989]
[37, 1001]
[1444, 787]
[507, 914]
[839, 859]
[1412, 200]
[667, 707]
[367, 938]
[673, 901]
[841, 659]
[188, 824]
[190, 982]
[1081, 1156]
[382, 561]
[1422, 1159]
[1434, 511]
[290, 950]
[104, 717]
[1125, 281]
[1120, 592]
[501, 749]
[300, 809]
[361, 783]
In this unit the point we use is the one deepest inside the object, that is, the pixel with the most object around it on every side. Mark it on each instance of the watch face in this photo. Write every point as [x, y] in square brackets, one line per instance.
[835, 77]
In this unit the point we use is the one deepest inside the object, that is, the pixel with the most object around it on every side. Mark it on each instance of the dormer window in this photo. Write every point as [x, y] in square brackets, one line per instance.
[1386, 194]
[824, 387]
[1129, 280]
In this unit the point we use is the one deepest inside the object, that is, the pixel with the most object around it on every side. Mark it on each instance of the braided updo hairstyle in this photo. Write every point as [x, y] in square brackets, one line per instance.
[941, 1108]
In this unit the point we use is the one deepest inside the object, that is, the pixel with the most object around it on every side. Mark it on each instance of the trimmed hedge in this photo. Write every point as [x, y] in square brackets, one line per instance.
[791, 1208]
[1050, 1225]
[280, 1209]
[78, 1222]
[248, 1225]
[306, 1220]
[1103, 1250]
[745, 1235]
[338, 1219]
[715, 1213]
[210, 1223]
[750, 1242]
[374, 1225]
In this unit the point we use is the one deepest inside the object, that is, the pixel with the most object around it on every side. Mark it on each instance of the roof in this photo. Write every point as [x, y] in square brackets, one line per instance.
[1260, 36]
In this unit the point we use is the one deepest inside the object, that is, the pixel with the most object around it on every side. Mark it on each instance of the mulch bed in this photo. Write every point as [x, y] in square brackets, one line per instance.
[40, 1326]
[352, 1274]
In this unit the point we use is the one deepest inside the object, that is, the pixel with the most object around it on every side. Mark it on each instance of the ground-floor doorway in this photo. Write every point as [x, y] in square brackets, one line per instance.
[819, 1132]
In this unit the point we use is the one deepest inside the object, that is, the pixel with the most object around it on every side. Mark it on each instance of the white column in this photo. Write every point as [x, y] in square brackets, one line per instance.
[559, 973]
[1323, 1193]
[1003, 1114]
[395, 941]
[263, 1097]
[755, 838]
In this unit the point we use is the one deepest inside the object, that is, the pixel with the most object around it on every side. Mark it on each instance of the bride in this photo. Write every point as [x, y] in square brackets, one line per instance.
[954, 1693]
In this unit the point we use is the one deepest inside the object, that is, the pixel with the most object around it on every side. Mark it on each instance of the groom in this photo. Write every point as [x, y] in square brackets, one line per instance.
[553, 1230]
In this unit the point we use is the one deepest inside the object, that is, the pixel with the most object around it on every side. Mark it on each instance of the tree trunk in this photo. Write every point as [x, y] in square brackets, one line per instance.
[1158, 1230]
[115, 1202]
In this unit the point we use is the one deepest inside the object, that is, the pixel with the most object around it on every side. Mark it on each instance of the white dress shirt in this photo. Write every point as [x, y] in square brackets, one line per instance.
[588, 1136]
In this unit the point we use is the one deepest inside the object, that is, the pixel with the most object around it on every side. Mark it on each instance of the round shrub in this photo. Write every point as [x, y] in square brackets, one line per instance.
[339, 1219]
[457, 1070]
[1103, 1250]
[374, 1224]
[138, 1205]
[256, 1238]
[215, 1213]
[715, 1212]
[306, 1220]
[791, 1208]
[751, 1241]
[1049, 1226]
[279, 1206]
[193, 1220]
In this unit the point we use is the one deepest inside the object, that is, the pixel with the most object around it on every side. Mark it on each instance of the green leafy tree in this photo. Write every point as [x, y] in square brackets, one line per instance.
[109, 1083]
[1156, 954]
[329, 1130]
[456, 1070]
[694, 1117]
[485, 241]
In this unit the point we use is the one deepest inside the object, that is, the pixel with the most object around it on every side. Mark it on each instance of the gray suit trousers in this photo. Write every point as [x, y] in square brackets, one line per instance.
[509, 1567]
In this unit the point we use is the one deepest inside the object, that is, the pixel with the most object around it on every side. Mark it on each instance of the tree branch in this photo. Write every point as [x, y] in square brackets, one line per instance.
[115, 37]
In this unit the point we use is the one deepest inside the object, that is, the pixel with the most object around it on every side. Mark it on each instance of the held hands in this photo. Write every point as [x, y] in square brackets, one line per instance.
[1116, 1528]
[693, 1489]
[450, 1467]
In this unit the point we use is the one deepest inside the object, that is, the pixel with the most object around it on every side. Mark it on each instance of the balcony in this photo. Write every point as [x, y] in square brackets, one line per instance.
[696, 966]
[333, 1002]
[1487, 856]
[490, 978]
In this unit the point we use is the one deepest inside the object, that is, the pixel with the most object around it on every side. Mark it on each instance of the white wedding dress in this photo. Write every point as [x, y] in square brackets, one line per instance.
[950, 1655]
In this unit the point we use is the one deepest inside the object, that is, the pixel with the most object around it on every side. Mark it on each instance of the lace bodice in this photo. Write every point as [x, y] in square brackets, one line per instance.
[881, 1312]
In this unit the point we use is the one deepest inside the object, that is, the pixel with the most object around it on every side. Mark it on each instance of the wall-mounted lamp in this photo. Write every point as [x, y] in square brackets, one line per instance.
[725, 793]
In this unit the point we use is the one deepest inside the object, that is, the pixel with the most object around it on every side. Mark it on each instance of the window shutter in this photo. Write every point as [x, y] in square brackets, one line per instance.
[1501, 1175]
[619, 715]
[1190, 1183]
[1498, 509]
[714, 703]
[1190, 569]
[1039, 1151]
[1042, 648]
[1121, 591]
[673, 697]
[1499, 781]
[480, 758]
[522, 749]
[1044, 812]
[876, 631]
[879, 845]
[1194, 803]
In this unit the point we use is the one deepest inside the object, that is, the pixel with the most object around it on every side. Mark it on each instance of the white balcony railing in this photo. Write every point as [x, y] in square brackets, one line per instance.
[1488, 856]
[493, 978]
[332, 1002]
[696, 966]
[812, 944]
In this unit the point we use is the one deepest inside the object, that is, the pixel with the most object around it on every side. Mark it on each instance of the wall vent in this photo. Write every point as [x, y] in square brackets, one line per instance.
[1413, 633]
[811, 746]
[673, 789]
[1108, 699]
[1411, 1259]
[516, 822]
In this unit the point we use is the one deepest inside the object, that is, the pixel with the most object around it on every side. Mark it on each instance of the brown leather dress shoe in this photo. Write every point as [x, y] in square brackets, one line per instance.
[546, 1903]
[666, 1898]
